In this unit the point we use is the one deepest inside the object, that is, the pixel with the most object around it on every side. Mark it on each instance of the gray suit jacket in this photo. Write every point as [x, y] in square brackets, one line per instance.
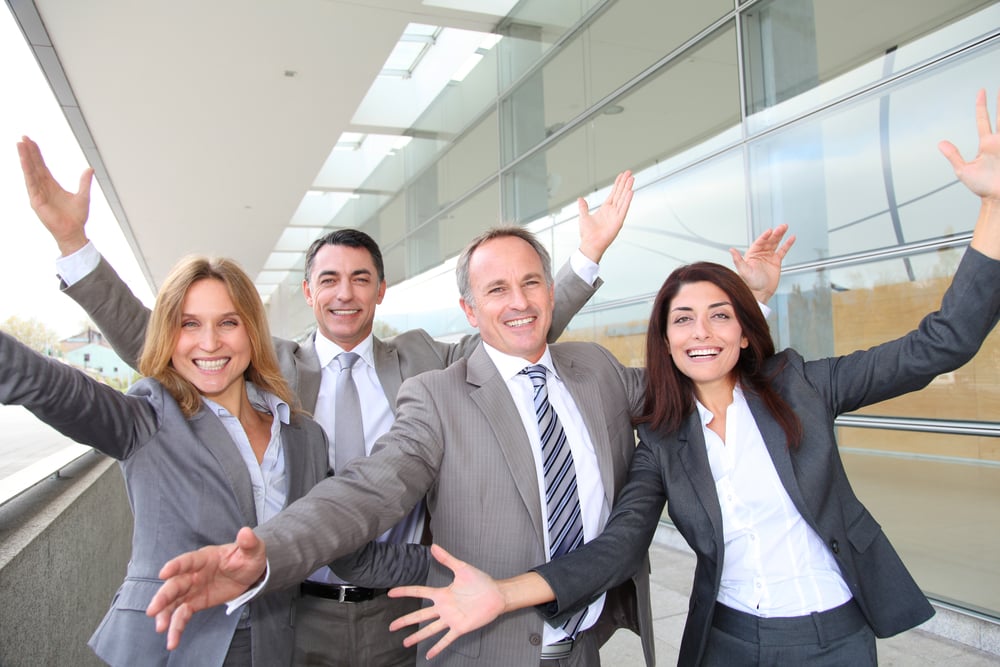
[122, 318]
[674, 467]
[187, 486]
[459, 440]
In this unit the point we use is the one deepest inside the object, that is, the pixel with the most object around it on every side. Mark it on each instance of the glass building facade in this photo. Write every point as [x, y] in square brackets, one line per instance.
[736, 117]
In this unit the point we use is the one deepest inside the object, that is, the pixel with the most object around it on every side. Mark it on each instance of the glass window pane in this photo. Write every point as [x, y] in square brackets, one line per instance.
[834, 47]
[869, 175]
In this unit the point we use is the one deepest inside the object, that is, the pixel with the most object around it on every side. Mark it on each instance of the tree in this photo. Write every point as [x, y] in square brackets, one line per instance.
[32, 333]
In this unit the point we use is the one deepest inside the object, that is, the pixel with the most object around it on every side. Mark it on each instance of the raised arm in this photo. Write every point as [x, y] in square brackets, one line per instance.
[982, 177]
[109, 302]
[62, 212]
[760, 265]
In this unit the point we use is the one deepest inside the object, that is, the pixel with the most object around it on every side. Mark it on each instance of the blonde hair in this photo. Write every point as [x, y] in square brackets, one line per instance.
[164, 328]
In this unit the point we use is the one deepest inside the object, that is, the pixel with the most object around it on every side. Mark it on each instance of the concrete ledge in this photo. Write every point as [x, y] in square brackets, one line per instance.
[64, 547]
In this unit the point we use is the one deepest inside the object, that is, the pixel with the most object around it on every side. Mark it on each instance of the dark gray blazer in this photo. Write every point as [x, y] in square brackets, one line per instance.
[187, 486]
[458, 439]
[674, 467]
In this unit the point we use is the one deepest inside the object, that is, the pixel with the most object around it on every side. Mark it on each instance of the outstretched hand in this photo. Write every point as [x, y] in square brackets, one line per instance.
[204, 578]
[471, 601]
[982, 176]
[600, 228]
[760, 265]
[62, 212]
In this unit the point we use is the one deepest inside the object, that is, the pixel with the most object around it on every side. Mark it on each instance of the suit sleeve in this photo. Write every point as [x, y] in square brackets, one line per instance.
[109, 302]
[943, 341]
[342, 513]
[384, 565]
[73, 403]
[581, 576]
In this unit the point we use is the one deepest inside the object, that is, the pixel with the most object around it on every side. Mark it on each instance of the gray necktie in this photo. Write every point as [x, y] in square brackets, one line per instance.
[561, 496]
[349, 430]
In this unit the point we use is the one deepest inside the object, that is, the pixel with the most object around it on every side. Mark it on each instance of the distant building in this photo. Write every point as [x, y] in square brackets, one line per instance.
[90, 351]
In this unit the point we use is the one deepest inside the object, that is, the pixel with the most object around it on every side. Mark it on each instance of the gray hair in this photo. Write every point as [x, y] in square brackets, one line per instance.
[462, 271]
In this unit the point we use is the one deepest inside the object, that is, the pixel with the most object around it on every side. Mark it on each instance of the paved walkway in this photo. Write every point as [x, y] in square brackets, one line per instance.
[671, 585]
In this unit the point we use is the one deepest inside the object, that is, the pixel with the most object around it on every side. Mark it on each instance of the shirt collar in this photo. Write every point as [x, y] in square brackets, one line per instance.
[327, 350]
[260, 399]
[509, 366]
[706, 415]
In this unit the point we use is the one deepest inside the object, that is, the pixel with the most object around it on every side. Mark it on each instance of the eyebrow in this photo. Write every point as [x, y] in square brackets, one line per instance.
[355, 272]
[231, 313]
[711, 305]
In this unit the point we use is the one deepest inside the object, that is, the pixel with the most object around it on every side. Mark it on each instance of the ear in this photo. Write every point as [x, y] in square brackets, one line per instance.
[470, 313]
[381, 292]
[307, 293]
[744, 343]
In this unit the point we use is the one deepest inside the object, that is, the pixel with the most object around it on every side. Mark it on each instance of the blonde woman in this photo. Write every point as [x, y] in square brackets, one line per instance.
[209, 442]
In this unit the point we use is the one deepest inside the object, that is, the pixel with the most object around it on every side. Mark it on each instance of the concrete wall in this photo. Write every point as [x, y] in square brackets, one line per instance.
[64, 546]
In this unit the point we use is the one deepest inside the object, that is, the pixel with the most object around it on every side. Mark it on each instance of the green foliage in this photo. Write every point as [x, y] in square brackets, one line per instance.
[33, 333]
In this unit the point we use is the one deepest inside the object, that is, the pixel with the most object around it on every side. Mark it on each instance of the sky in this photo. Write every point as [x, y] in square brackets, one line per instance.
[30, 288]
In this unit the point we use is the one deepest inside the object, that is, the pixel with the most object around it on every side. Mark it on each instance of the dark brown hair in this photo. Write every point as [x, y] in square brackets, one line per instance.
[670, 393]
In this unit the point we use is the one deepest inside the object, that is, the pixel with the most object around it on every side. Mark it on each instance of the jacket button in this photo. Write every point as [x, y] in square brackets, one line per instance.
[535, 639]
[835, 546]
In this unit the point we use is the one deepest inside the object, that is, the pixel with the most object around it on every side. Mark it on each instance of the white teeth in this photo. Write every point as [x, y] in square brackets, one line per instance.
[344, 312]
[213, 365]
[702, 353]
[523, 320]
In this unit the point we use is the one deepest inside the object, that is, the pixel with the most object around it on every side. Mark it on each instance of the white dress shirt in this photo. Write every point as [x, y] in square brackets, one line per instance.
[593, 506]
[775, 564]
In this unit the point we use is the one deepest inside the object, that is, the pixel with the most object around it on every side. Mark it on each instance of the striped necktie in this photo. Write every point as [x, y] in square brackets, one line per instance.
[561, 498]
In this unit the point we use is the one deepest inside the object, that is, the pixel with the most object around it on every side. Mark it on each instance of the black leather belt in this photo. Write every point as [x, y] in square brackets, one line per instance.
[340, 592]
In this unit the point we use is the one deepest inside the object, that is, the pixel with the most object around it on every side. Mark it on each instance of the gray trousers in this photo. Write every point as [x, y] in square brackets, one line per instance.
[340, 634]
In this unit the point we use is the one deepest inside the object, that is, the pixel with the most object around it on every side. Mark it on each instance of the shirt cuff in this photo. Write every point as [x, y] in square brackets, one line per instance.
[584, 267]
[236, 603]
[76, 266]
[764, 309]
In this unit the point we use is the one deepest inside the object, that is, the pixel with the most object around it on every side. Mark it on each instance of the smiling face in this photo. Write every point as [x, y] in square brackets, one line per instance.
[511, 301]
[213, 347]
[703, 336]
[343, 290]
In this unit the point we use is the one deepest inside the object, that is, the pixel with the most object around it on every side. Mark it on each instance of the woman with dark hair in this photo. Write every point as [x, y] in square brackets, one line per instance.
[791, 567]
[210, 441]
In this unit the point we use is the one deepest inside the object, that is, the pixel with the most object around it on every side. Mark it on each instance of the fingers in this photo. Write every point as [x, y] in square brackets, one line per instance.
[737, 259]
[950, 151]
[86, 178]
[783, 250]
[414, 617]
[444, 643]
[178, 621]
[412, 592]
[982, 114]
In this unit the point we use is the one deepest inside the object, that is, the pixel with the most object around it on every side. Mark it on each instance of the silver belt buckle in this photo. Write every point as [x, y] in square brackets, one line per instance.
[558, 650]
[343, 592]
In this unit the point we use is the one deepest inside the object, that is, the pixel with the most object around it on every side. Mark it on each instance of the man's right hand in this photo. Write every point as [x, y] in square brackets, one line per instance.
[205, 578]
[63, 213]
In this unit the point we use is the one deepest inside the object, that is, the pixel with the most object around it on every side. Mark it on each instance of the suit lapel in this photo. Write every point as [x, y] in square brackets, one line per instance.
[387, 369]
[693, 455]
[586, 393]
[309, 374]
[295, 464]
[493, 399]
[777, 448]
[216, 439]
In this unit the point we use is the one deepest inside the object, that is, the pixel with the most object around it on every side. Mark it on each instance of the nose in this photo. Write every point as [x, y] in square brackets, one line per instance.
[209, 339]
[518, 299]
[701, 329]
[345, 290]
